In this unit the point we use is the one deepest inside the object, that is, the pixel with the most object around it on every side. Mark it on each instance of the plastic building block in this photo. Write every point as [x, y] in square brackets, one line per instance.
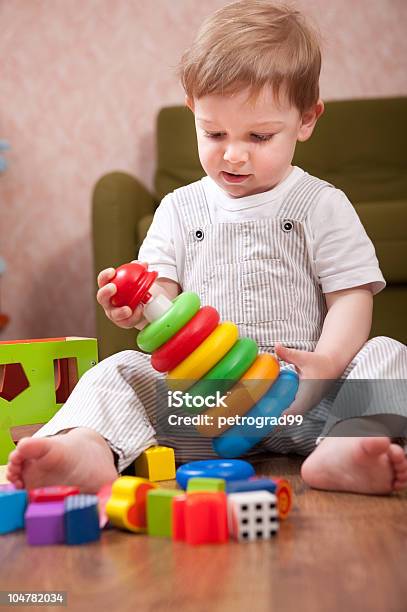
[81, 519]
[159, 511]
[206, 484]
[156, 463]
[36, 361]
[126, 507]
[252, 515]
[178, 518]
[7, 487]
[12, 508]
[44, 523]
[49, 494]
[279, 486]
[206, 518]
[104, 494]
[228, 469]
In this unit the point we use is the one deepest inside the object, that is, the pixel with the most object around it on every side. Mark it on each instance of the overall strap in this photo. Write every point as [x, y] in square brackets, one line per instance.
[192, 205]
[301, 198]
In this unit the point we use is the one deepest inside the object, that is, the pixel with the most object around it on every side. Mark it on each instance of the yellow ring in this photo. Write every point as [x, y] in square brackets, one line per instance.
[203, 358]
[242, 397]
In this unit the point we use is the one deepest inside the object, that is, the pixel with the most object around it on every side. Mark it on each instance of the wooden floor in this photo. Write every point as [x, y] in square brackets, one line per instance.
[335, 552]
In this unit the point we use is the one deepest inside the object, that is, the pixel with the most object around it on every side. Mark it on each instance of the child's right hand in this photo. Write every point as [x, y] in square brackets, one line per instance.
[122, 316]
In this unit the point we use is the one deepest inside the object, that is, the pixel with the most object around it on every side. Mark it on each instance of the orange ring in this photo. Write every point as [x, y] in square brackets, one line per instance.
[284, 497]
[241, 398]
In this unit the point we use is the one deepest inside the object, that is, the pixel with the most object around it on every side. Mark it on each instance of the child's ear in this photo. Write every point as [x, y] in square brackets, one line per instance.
[190, 103]
[309, 120]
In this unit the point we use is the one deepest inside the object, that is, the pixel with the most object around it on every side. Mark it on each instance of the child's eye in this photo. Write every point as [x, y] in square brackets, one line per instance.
[213, 134]
[262, 137]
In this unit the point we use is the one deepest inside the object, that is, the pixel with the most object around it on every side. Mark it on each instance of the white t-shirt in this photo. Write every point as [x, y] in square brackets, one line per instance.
[340, 251]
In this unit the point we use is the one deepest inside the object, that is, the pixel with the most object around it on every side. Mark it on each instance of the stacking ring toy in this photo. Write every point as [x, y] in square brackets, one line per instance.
[244, 395]
[203, 355]
[228, 370]
[235, 469]
[240, 438]
[184, 307]
[198, 363]
[186, 340]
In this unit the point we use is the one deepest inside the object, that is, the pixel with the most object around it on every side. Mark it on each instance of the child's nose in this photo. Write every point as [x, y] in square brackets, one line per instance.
[235, 154]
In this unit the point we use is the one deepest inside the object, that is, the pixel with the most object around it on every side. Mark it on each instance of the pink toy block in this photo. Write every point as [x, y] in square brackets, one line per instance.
[104, 495]
[44, 523]
[7, 487]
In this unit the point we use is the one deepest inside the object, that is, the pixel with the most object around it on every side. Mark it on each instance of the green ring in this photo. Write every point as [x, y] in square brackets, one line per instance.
[228, 370]
[184, 307]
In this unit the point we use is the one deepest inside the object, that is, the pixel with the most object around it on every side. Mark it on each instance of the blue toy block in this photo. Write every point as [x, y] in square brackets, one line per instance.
[231, 469]
[81, 519]
[257, 484]
[12, 508]
[44, 523]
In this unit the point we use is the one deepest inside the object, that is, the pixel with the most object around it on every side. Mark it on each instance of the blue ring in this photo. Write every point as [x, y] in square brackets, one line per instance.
[237, 440]
[229, 470]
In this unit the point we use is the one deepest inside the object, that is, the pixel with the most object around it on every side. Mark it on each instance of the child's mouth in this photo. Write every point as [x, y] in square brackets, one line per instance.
[228, 177]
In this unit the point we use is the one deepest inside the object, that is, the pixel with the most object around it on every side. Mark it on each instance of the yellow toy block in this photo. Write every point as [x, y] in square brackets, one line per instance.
[156, 463]
[126, 507]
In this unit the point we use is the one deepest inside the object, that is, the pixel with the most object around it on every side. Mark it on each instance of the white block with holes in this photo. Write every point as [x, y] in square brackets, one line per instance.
[252, 515]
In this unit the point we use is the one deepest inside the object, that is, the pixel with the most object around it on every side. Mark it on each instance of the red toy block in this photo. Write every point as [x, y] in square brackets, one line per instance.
[50, 494]
[206, 518]
[178, 518]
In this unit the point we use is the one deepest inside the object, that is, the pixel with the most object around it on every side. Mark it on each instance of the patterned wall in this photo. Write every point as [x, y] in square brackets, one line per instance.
[81, 82]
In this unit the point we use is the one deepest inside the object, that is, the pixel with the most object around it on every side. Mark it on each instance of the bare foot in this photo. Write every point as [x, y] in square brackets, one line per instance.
[80, 457]
[357, 465]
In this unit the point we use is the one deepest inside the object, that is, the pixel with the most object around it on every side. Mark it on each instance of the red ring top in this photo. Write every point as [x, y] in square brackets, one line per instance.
[133, 282]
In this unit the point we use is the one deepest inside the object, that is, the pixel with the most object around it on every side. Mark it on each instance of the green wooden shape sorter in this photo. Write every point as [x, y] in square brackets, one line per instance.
[32, 392]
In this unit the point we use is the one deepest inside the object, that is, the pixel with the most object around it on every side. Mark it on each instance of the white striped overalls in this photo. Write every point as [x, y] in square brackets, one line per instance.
[258, 275]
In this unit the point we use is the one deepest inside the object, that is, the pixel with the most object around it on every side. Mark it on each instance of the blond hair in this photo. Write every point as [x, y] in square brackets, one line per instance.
[250, 44]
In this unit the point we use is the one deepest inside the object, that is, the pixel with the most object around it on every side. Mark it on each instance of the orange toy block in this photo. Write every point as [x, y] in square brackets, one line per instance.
[126, 508]
[156, 463]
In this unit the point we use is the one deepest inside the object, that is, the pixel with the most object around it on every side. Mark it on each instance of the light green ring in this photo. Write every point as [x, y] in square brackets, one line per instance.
[184, 307]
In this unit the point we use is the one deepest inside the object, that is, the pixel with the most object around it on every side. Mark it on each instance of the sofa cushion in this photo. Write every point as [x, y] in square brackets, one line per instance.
[177, 153]
[385, 223]
[359, 146]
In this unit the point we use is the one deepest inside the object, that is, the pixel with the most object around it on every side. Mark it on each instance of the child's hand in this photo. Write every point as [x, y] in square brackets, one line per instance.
[122, 316]
[317, 374]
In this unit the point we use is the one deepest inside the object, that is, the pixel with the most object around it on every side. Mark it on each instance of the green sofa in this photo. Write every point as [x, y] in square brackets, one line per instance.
[358, 145]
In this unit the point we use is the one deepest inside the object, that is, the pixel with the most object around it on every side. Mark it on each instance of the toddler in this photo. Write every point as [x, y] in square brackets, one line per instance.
[279, 252]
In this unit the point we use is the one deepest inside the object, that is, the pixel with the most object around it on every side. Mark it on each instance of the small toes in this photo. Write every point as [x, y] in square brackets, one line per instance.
[397, 454]
[15, 457]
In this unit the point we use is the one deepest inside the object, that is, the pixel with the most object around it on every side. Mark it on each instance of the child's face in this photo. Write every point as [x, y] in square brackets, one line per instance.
[247, 147]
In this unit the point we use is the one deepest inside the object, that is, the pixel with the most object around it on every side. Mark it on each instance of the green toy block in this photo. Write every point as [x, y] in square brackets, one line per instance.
[159, 511]
[36, 377]
[206, 484]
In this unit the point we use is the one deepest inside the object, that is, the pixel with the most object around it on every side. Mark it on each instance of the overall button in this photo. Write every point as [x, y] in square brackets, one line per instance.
[287, 225]
[198, 235]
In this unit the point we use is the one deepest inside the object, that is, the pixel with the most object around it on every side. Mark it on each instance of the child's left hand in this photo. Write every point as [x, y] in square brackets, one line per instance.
[317, 373]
